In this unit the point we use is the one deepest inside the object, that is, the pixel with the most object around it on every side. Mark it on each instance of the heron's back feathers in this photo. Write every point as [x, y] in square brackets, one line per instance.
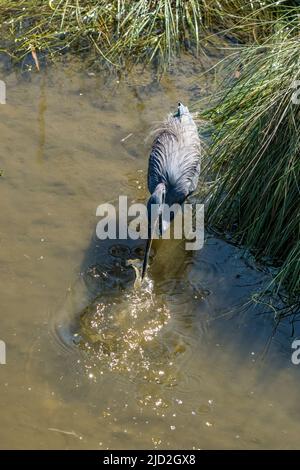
[175, 156]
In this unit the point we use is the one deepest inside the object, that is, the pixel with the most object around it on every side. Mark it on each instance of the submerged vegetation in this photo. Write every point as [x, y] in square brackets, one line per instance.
[255, 152]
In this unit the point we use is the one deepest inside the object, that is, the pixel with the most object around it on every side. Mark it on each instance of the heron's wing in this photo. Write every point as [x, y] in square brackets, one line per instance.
[188, 161]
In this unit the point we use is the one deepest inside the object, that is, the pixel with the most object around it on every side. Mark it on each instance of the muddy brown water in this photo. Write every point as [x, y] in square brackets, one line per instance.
[91, 361]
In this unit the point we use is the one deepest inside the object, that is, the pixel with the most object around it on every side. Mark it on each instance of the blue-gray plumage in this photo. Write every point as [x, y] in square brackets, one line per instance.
[174, 166]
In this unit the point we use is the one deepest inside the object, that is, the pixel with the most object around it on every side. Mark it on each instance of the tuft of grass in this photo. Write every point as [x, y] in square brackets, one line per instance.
[121, 32]
[255, 155]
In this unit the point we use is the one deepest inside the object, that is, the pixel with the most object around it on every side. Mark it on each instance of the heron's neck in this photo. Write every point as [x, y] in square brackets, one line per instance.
[158, 192]
[156, 199]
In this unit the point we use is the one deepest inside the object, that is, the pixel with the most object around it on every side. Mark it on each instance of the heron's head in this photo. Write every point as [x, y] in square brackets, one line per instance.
[182, 110]
[157, 198]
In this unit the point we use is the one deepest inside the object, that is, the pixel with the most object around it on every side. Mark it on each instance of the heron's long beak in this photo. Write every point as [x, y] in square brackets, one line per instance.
[151, 232]
[146, 257]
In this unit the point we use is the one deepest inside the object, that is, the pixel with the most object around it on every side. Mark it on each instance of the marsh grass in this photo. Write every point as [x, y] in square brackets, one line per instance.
[255, 155]
[122, 32]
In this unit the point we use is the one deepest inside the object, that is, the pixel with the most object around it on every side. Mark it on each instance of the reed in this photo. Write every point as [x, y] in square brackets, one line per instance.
[255, 155]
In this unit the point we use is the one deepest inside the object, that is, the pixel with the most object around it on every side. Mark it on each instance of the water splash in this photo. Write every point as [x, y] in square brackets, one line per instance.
[127, 335]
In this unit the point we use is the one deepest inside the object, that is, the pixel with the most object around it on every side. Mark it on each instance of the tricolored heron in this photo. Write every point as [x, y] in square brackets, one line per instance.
[174, 168]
